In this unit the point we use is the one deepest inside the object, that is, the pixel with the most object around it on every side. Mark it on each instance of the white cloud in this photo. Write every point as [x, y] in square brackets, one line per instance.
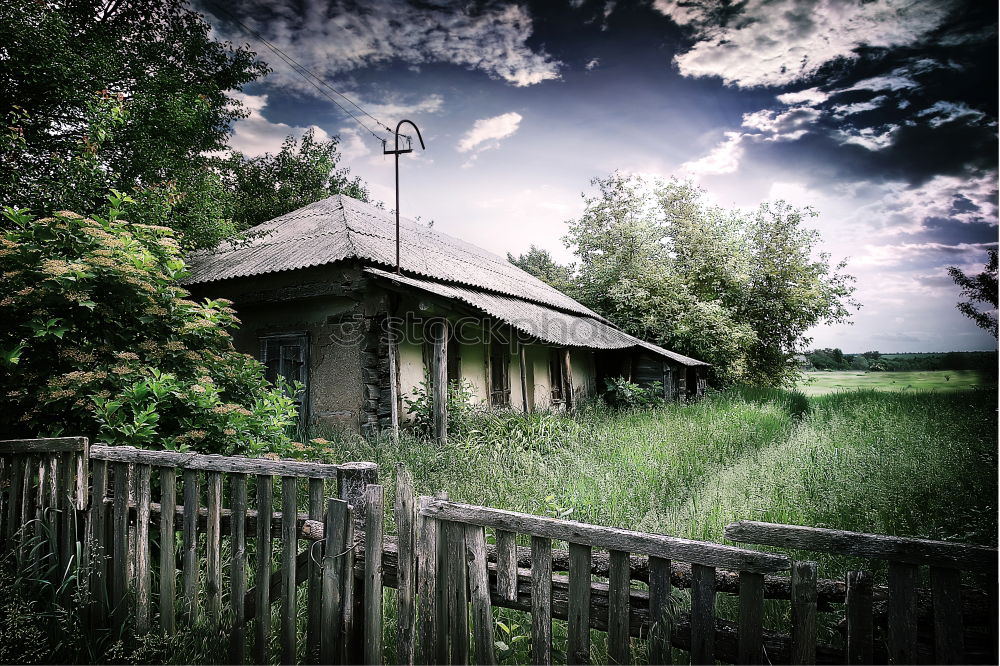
[256, 135]
[723, 159]
[352, 144]
[487, 133]
[592, 64]
[843, 110]
[809, 96]
[331, 38]
[948, 112]
[395, 109]
[968, 198]
[779, 42]
[867, 137]
[894, 255]
[781, 126]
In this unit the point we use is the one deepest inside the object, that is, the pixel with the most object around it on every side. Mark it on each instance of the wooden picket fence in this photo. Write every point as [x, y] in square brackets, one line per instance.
[452, 564]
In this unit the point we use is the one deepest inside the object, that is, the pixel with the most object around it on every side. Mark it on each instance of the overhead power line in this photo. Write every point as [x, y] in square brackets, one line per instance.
[311, 78]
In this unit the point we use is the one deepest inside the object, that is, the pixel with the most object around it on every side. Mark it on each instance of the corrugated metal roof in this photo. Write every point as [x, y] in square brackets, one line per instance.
[538, 321]
[340, 228]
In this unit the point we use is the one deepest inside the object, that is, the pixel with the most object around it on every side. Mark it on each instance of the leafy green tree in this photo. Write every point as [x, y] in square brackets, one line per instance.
[154, 64]
[739, 290]
[300, 173]
[982, 289]
[97, 339]
[539, 262]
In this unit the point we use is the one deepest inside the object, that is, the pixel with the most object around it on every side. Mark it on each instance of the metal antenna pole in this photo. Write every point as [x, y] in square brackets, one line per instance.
[397, 152]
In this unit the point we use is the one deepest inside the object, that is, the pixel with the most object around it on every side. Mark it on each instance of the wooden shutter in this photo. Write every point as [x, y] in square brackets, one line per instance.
[287, 355]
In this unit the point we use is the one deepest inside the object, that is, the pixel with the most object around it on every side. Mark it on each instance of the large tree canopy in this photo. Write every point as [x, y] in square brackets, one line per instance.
[101, 95]
[739, 290]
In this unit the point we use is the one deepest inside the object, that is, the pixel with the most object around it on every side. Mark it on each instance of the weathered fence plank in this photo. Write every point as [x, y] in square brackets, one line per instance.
[578, 648]
[373, 574]
[860, 640]
[213, 547]
[902, 614]
[506, 564]
[804, 612]
[456, 586]
[238, 567]
[119, 559]
[479, 592]
[946, 598]
[619, 651]
[313, 610]
[896, 549]
[702, 614]
[541, 600]
[168, 555]
[143, 571]
[231, 464]
[427, 585]
[98, 548]
[10, 447]
[660, 610]
[406, 566]
[751, 632]
[335, 578]
[696, 552]
[289, 550]
[262, 633]
[189, 545]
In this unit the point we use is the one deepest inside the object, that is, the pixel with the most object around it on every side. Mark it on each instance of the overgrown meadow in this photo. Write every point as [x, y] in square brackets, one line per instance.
[908, 464]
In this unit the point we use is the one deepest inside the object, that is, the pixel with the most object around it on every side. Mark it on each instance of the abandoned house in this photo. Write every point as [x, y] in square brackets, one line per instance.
[321, 303]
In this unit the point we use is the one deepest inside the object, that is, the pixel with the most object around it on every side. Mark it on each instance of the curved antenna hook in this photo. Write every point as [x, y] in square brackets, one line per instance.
[400, 124]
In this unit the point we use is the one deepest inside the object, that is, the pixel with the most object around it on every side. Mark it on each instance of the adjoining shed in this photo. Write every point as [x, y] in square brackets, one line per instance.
[321, 304]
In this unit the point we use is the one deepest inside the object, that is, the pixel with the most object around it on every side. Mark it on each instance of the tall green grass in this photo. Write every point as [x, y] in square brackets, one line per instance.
[909, 464]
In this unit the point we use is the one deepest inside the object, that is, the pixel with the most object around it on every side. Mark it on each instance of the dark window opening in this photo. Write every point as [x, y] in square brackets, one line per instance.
[499, 375]
[287, 355]
[557, 375]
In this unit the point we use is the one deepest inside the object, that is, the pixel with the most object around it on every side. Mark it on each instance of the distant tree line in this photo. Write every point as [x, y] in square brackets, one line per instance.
[835, 359]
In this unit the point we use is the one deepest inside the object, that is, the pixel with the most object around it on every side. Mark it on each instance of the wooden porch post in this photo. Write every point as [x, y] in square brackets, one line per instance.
[393, 380]
[439, 375]
[568, 396]
[521, 361]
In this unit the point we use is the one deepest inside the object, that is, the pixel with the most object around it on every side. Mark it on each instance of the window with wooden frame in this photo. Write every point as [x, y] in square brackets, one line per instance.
[287, 355]
[557, 376]
[499, 375]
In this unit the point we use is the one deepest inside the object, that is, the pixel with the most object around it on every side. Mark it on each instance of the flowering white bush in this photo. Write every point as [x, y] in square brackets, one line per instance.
[98, 339]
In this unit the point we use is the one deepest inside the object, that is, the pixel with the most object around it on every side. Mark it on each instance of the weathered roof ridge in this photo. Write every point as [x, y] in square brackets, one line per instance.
[340, 227]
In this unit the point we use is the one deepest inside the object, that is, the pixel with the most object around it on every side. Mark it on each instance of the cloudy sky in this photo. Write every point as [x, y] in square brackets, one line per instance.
[882, 115]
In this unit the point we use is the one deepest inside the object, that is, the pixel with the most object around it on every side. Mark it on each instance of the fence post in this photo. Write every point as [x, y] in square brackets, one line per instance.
[142, 564]
[289, 551]
[314, 628]
[238, 575]
[702, 614]
[541, 600]
[578, 648]
[335, 577]
[479, 591]
[373, 574]
[427, 582]
[902, 615]
[190, 545]
[751, 626]
[352, 481]
[405, 566]
[119, 575]
[619, 650]
[168, 544]
[804, 612]
[860, 644]
[265, 496]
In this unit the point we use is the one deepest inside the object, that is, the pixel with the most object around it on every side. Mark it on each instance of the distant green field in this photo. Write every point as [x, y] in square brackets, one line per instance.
[822, 383]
